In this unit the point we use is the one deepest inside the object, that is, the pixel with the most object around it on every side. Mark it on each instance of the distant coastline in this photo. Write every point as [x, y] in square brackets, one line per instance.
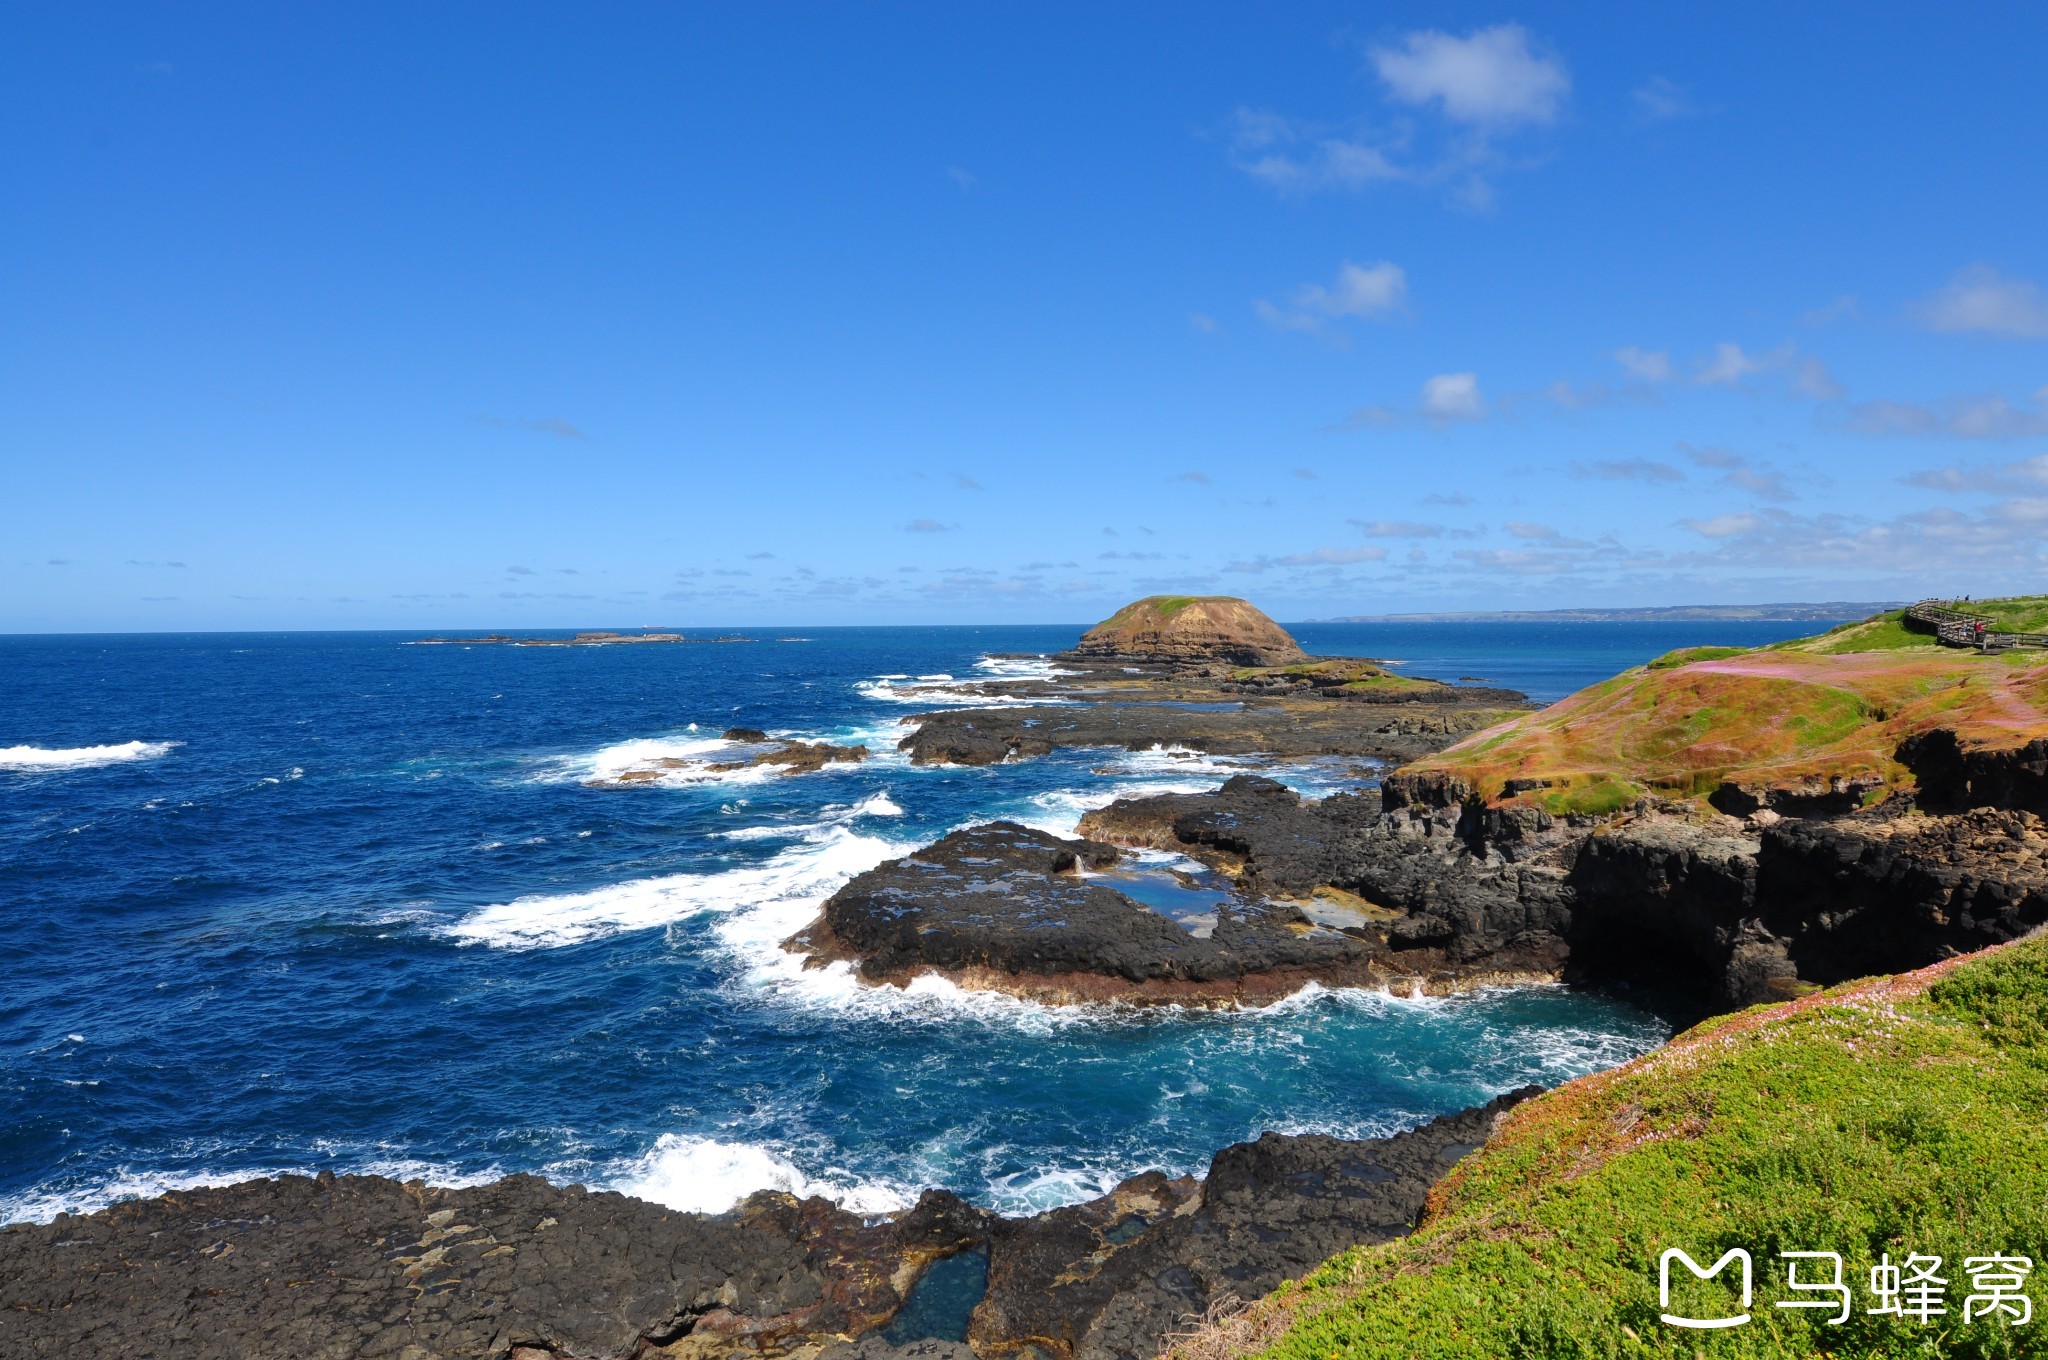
[1824, 612]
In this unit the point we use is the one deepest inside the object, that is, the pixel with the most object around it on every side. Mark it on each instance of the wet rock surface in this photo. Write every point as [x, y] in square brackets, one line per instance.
[1733, 911]
[364, 1267]
[1010, 907]
[1287, 729]
[1110, 1279]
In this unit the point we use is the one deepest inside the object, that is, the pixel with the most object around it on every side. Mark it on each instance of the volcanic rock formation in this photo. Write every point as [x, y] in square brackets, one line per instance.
[366, 1268]
[1191, 628]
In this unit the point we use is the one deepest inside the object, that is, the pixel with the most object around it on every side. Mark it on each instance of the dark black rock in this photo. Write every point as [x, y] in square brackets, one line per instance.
[747, 734]
[360, 1267]
[1109, 1279]
[1005, 898]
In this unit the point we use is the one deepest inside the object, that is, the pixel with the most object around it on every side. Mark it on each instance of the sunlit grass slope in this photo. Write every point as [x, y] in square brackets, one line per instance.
[1898, 1115]
[1801, 714]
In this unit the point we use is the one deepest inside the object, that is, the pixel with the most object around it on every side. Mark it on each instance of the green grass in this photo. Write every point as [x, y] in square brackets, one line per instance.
[1868, 1119]
[1687, 655]
[2009, 614]
[1885, 633]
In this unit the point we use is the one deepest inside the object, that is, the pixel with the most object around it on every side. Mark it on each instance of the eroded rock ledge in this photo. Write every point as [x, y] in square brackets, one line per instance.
[366, 1268]
[1420, 885]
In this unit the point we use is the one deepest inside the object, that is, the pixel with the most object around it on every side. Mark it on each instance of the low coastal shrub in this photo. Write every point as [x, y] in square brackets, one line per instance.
[1888, 1118]
[1687, 655]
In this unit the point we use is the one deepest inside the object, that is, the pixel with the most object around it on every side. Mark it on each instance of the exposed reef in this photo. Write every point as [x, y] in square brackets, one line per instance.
[791, 757]
[1009, 908]
[366, 1268]
[592, 639]
[1333, 707]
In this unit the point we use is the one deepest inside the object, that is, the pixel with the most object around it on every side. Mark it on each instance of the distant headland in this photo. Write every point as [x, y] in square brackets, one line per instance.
[1829, 611]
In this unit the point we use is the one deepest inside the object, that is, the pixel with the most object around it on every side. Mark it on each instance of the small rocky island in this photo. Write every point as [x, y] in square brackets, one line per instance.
[1209, 674]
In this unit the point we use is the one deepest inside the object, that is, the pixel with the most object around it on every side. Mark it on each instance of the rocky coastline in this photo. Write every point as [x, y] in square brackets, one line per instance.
[368, 1268]
[1462, 869]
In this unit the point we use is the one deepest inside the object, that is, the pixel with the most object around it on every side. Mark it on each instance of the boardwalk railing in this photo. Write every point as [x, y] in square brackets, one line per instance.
[1959, 628]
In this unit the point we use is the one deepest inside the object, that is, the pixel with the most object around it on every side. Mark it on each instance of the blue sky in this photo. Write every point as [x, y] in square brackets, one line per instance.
[523, 315]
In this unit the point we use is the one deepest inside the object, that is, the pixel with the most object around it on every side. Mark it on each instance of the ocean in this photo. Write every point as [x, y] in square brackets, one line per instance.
[292, 902]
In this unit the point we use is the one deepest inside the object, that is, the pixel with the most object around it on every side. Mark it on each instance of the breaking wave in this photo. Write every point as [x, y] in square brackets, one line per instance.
[37, 758]
[707, 1176]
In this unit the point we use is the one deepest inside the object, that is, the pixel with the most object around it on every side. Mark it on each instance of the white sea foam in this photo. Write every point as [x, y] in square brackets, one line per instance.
[707, 1176]
[877, 804]
[941, 688]
[39, 758]
[1059, 811]
[1021, 668]
[797, 879]
[45, 1202]
[678, 762]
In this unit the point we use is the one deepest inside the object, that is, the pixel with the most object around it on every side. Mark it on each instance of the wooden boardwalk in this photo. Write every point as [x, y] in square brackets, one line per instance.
[1959, 628]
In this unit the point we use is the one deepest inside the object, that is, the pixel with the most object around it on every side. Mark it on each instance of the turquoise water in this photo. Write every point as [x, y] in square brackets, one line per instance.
[291, 902]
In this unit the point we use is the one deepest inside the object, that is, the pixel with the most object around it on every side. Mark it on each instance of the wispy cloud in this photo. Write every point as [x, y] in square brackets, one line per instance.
[1627, 470]
[1484, 86]
[1446, 399]
[2028, 476]
[1396, 528]
[1319, 557]
[1198, 478]
[1982, 300]
[1660, 98]
[1647, 366]
[1758, 479]
[1368, 291]
[928, 526]
[1961, 417]
[1452, 396]
[1490, 78]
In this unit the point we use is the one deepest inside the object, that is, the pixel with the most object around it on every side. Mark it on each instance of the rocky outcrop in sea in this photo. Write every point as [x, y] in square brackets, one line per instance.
[367, 1268]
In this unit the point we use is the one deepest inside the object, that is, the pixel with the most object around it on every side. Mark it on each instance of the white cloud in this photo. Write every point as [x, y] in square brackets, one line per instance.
[1727, 526]
[1658, 97]
[1453, 396]
[1964, 417]
[2027, 475]
[1360, 291]
[1319, 557]
[1728, 366]
[1397, 528]
[1650, 366]
[1981, 299]
[1490, 78]
[1762, 481]
[1297, 159]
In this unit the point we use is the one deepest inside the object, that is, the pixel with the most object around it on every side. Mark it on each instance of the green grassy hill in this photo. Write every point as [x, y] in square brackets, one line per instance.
[1798, 715]
[1898, 1115]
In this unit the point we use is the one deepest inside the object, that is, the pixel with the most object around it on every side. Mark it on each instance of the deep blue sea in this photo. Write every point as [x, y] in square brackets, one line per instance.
[299, 901]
